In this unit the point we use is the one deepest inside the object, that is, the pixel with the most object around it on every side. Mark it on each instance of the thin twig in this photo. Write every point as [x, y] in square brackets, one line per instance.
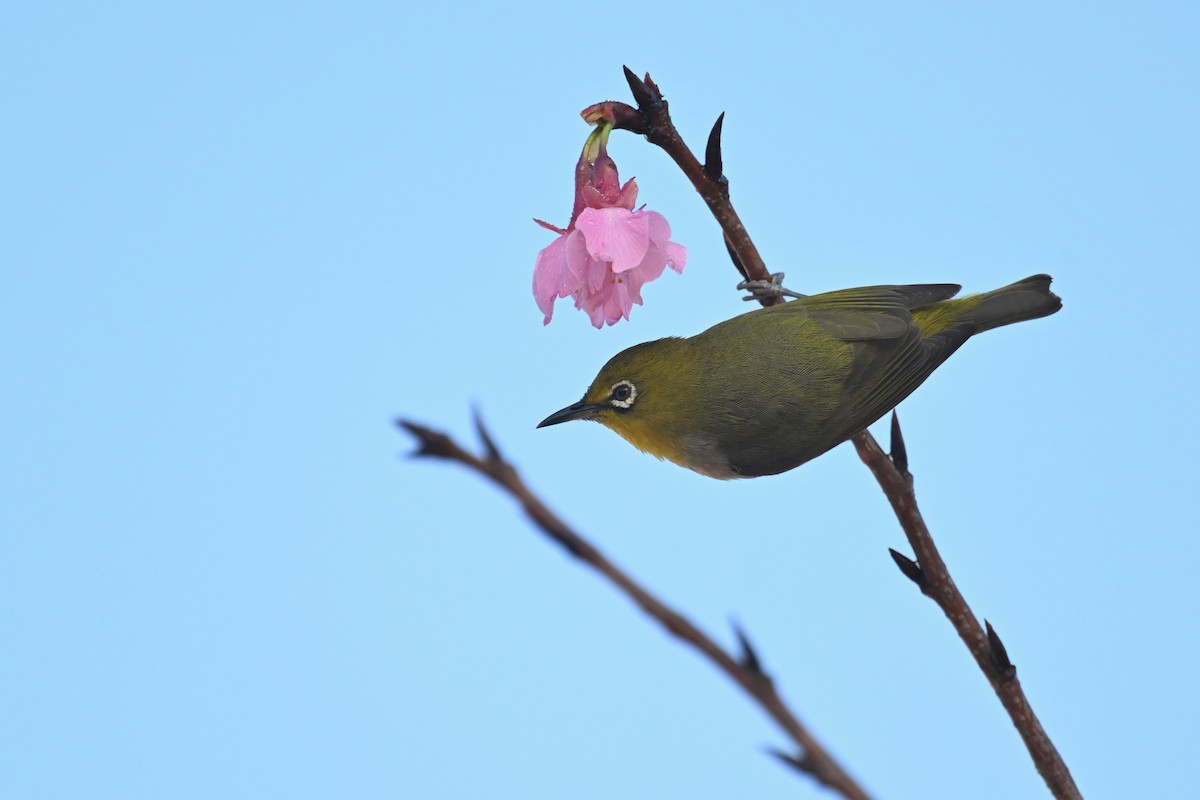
[988, 651]
[929, 571]
[812, 759]
[653, 119]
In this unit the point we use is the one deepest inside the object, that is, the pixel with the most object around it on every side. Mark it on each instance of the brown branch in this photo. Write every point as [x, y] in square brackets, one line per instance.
[653, 119]
[933, 578]
[929, 572]
[745, 671]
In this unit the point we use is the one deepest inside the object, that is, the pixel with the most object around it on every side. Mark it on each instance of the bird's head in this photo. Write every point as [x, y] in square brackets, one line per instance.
[643, 394]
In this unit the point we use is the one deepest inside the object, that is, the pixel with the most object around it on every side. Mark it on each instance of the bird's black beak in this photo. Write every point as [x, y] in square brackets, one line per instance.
[580, 410]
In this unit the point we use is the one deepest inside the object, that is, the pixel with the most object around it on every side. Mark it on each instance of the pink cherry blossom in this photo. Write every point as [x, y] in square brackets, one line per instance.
[610, 250]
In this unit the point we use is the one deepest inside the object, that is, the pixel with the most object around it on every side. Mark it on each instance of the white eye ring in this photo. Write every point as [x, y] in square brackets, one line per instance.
[627, 401]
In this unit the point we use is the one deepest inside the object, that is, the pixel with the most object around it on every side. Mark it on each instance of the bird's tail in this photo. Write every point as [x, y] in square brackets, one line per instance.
[1026, 299]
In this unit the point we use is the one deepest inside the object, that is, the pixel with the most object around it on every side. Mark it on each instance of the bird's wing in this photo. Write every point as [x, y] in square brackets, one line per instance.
[891, 358]
[867, 313]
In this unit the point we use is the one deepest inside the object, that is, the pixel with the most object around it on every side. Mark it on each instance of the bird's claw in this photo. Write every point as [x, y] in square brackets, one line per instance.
[763, 290]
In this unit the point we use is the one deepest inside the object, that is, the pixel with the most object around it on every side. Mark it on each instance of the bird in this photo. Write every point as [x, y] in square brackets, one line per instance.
[771, 389]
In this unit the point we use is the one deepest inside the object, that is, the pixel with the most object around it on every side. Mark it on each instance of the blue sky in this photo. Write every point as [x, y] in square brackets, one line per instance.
[237, 240]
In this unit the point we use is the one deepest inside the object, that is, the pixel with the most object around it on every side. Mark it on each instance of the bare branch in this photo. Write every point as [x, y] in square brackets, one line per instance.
[654, 120]
[813, 759]
[929, 571]
[985, 647]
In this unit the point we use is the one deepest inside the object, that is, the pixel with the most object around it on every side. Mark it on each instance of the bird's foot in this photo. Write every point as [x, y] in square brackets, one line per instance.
[764, 290]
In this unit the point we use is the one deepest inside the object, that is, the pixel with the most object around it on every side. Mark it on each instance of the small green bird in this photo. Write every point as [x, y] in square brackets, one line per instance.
[766, 391]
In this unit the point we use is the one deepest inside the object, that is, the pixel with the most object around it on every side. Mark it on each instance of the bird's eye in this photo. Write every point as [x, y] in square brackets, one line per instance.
[622, 395]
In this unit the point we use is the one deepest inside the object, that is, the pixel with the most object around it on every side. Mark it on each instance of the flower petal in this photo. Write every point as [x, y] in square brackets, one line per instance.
[627, 199]
[617, 305]
[615, 235]
[660, 234]
[577, 257]
[551, 278]
[676, 256]
[657, 227]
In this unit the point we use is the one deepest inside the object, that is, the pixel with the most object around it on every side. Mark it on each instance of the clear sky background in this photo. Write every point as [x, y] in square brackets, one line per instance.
[237, 239]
